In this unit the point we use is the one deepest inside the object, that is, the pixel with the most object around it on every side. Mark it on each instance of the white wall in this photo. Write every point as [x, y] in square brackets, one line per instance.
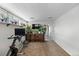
[6, 32]
[67, 31]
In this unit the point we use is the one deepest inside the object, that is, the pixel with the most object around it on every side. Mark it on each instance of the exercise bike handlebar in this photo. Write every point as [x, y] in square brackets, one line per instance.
[11, 37]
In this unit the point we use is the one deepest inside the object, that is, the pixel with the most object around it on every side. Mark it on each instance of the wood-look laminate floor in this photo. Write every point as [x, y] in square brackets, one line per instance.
[49, 48]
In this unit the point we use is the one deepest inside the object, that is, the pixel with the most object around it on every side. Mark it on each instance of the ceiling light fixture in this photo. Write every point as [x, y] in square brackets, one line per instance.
[32, 17]
[49, 17]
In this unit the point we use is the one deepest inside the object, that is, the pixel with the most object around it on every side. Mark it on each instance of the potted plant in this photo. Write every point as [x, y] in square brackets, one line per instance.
[28, 28]
[2, 17]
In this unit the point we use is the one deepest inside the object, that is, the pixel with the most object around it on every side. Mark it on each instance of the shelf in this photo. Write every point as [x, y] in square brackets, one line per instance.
[5, 23]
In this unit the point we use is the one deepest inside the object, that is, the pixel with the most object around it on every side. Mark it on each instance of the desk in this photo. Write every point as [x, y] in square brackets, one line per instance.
[35, 37]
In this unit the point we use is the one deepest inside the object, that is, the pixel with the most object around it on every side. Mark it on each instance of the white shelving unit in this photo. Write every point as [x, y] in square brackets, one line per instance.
[6, 17]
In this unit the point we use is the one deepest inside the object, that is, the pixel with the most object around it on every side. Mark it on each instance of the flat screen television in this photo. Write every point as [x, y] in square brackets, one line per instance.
[35, 26]
[20, 31]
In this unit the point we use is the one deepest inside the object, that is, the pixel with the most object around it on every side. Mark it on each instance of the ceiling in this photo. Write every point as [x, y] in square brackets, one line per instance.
[39, 12]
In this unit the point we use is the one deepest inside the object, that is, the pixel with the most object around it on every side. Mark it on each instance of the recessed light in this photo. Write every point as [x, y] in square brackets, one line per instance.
[49, 17]
[32, 17]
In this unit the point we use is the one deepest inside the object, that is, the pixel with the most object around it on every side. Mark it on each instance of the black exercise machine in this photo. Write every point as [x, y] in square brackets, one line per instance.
[19, 32]
[13, 49]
